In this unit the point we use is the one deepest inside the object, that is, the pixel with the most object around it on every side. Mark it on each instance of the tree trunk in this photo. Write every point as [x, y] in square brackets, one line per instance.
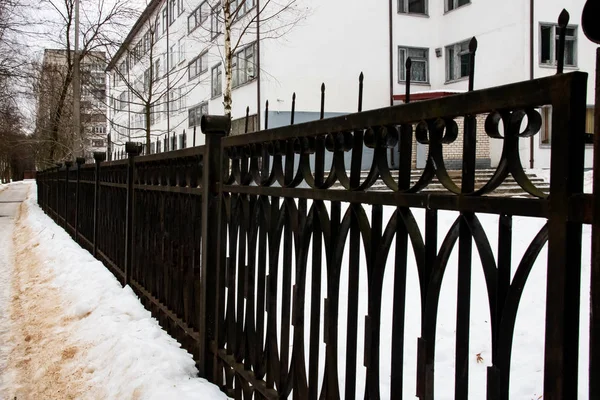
[59, 110]
[147, 115]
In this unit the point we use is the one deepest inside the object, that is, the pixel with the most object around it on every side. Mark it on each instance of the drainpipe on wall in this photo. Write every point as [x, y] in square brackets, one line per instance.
[257, 67]
[531, 58]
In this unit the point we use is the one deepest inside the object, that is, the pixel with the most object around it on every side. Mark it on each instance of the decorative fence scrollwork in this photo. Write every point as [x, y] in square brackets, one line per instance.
[267, 255]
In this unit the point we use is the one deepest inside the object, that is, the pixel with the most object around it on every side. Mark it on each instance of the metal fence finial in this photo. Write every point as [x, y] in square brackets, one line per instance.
[247, 117]
[563, 20]
[361, 79]
[293, 108]
[472, 50]
[323, 100]
[267, 115]
[408, 65]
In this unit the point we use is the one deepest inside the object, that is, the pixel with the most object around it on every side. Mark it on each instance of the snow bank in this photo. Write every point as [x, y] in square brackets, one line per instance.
[127, 352]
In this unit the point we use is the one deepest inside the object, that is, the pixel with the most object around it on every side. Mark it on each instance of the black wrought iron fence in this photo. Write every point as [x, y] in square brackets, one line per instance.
[251, 249]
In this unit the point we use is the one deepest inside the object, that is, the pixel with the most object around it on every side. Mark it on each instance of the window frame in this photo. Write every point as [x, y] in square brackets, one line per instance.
[246, 9]
[203, 66]
[403, 65]
[456, 56]
[199, 107]
[214, 17]
[403, 5]
[199, 17]
[219, 77]
[455, 5]
[553, 48]
[236, 65]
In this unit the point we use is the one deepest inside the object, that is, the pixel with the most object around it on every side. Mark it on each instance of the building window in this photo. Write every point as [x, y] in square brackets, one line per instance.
[243, 66]
[412, 6]
[122, 100]
[198, 16]
[240, 7]
[198, 65]
[157, 26]
[172, 11]
[195, 114]
[457, 61]
[181, 50]
[215, 23]
[453, 4]
[420, 64]
[180, 7]
[172, 56]
[156, 69]
[97, 143]
[549, 45]
[181, 99]
[216, 81]
[165, 19]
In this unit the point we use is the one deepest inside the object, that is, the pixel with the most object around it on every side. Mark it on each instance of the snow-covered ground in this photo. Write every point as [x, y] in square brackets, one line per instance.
[95, 338]
[75, 332]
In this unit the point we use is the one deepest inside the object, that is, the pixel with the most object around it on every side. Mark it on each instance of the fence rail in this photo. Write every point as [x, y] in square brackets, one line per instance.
[239, 247]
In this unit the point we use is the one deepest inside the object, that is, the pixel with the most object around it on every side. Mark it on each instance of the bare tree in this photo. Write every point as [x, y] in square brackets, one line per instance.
[101, 25]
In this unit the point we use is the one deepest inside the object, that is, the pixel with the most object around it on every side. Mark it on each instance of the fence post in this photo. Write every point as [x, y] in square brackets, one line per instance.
[66, 201]
[98, 158]
[56, 204]
[133, 149]
[214, 127]
[79, 161]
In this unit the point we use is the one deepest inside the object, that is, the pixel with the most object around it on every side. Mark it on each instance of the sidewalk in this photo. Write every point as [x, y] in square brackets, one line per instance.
[68, 329]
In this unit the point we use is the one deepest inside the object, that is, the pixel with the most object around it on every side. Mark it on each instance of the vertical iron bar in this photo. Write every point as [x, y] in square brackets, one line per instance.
[247, 117]
[408, 77]
[563, 20]
[98, 158]
[194, 139]
[564, 242]
[214, 127]
[498, 377]
[133, 149]
[353, 279]
[594, 371]
[79, 162]
[66, 193]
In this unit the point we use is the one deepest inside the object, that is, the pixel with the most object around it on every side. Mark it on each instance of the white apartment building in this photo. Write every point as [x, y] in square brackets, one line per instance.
[334, 41]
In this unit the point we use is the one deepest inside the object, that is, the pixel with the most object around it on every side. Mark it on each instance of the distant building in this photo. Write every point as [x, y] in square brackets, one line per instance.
[338, 40]
[93, 96]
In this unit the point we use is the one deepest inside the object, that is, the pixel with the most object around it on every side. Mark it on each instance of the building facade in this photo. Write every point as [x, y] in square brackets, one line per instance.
[169, 71]
[53, 75]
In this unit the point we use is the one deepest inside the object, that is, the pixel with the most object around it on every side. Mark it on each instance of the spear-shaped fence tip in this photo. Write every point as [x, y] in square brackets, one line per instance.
[247, 109]
[322, 100]
[473, 45]
[408, 63]
[361, 78]
[294, 96]
[472, 50]
[322, 87]
[563, 18]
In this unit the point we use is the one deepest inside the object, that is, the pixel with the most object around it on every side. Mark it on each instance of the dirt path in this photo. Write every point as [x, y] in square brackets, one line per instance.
[38, 364]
